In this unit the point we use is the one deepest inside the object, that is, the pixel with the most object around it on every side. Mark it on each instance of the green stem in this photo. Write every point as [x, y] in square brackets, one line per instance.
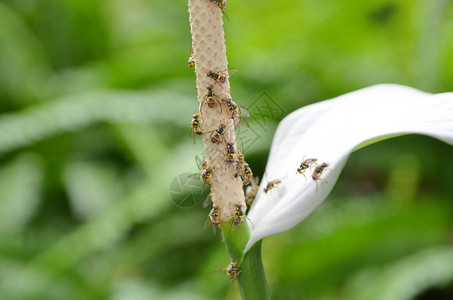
[252, 279]
[236, 239]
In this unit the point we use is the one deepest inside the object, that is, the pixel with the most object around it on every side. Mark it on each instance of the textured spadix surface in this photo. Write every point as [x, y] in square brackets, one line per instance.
[330, 131]
[209, 51]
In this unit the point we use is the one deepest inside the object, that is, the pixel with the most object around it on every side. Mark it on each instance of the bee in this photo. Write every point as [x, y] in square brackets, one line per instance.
[236, 112]
[213, 218]
[239, 163]
[218, 137]
[196, 129]
[232, 270]
[238, 216]
[251, 191]
[317, 172]
[220, 3]
[243, 169]
[205, 175]
[240, 157]
[201, 165]
[220, 76]
[191, 61]
[230, 153]
[217, 76]
[210, 98]
[238, 168]
[250, 194]
[271, 184]
[305, 165]
[247, 172]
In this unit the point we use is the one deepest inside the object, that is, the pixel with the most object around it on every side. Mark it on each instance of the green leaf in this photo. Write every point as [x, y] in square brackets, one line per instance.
[21, 184]
[92, 188]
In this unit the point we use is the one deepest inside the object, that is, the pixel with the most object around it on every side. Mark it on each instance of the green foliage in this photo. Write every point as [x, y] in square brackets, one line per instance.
[95, 105]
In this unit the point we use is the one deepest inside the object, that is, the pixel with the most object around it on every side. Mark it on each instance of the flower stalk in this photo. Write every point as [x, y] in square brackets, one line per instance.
[253, 275]
[252, 279]
[218, 124]
[209, 53]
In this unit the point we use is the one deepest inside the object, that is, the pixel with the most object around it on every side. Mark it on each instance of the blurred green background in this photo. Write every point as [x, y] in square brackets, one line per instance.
[96, 103]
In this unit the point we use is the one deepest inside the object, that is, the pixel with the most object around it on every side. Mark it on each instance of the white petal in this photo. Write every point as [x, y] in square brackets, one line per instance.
[330, 131]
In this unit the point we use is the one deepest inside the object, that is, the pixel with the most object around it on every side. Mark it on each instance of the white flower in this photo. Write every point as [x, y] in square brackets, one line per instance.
[330, 131]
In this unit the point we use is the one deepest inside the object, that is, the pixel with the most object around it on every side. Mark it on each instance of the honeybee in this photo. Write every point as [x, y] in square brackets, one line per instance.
[317, 172]
[218, 137]
[240, 157]
[271, 184]
[232, 270]
[305, 165]
[219, 77]
[243, 169]
[251, 191]
[237, 112]
[212, 218]
[238, 168]
[210, 96]
[239, 163]
[220, 3]
[210, 100]
[230, 153]
[238, 216]
[248, 175]
[204, 174]
[196, 128]
[191, 61]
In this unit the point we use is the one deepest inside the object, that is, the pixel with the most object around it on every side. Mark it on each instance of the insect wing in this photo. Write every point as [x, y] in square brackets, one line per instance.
[221, 271]
[191, 60]
[205, 102]
[225, 72]
[194, 175]
[199, 162]
[243, 111]
[233, 227]
[255, 181]
[206, 223]
[238, 120]
[232, 71]
[207, 200]
[225, 14]
[194, 137]
[220, 105]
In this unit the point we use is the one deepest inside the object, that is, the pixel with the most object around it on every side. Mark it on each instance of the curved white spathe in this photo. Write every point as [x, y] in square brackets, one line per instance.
[330, 131]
